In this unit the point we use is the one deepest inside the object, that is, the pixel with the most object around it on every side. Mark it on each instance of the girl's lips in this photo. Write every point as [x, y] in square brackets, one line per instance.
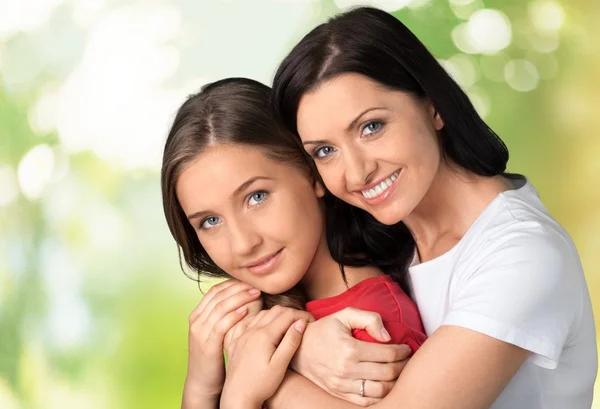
[264, 264]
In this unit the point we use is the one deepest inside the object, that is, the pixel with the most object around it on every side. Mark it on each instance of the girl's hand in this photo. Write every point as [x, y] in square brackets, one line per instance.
[223, 306]
[331, 358]
[259, 357]
[240, 327]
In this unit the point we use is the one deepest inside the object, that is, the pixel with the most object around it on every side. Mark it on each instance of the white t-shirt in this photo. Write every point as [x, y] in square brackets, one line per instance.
[516, 276]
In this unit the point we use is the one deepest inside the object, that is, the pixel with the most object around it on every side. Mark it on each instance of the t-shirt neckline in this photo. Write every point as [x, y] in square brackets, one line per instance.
[521, 185]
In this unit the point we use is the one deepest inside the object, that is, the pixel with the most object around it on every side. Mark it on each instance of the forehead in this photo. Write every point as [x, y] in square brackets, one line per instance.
[220, 169]
[349, 91]
[334, 104]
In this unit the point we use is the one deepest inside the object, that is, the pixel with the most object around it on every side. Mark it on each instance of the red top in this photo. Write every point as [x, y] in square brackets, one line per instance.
[381, 295]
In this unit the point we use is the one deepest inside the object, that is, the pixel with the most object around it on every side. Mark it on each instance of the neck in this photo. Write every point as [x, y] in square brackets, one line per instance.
[454, 201]
[324, 278]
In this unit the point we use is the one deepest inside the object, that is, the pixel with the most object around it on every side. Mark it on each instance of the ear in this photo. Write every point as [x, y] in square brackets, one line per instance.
[319, 189]
[436, 118]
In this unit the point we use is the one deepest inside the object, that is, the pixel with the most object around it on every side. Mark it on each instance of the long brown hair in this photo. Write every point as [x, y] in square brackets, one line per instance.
[231, 111]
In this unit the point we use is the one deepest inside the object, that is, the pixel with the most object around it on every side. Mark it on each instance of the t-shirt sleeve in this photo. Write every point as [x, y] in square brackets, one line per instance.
[524, 289]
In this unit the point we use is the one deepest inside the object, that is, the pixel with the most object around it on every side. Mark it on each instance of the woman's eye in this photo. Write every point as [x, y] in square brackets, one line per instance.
[371, 128]
[323, 152]
[257, 198]
[210, 222]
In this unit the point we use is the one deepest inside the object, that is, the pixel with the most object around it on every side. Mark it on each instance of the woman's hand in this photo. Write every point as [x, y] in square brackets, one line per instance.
[223, 306]
[259, 358]
[332, 359]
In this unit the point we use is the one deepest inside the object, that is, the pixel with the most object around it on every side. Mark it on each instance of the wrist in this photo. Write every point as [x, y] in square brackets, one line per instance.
[239, 402]
[237, 399]
[195, 397]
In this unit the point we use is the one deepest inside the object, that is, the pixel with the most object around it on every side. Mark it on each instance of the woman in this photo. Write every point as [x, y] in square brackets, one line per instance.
[242, 201]
[497, 280]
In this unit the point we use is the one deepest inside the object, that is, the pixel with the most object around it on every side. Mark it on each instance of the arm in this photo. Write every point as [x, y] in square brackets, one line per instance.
[451, 370]
[520, 301]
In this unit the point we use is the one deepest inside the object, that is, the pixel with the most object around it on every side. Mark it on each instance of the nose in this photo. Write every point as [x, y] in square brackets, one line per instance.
[243, 237]
[359, 168]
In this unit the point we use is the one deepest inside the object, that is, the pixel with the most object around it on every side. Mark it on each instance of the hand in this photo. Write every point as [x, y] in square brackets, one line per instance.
[240, 327]
[332, 359]
[223, 306]
[259, 358]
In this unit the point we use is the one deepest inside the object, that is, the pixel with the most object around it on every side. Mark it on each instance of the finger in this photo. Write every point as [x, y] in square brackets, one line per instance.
[236, 331]
[265, 317]
[377, 371]
[369, 321]
[231, 303]
[218, 293]
[363, 401]
[372, 389]
[371, 352]
[276, 311]
[255, 306]
[288, 345]
[215, 289]
[217, 335]
[231, 291]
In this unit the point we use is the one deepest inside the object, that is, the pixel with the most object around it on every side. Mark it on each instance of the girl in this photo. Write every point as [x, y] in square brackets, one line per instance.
[242, 201]
[498, 281]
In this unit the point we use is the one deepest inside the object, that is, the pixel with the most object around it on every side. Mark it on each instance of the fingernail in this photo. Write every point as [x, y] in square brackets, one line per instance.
[254, 291]
[385, 335]
[300, 325]
[241, 309]
[408, 349]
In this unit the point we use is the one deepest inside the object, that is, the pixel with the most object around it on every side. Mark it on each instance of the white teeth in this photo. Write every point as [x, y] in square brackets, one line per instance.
[380, 188]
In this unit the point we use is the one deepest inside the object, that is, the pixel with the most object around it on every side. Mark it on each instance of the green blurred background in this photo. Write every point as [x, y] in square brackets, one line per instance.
[93, 305]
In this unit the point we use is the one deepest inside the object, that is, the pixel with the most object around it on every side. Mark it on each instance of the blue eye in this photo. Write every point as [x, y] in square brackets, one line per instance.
[371, 128]
[323, 152]
[257, 198]
[210, 222]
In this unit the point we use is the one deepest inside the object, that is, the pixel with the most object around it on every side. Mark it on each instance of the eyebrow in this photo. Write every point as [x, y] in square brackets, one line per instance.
[349, 127]
[236, 192]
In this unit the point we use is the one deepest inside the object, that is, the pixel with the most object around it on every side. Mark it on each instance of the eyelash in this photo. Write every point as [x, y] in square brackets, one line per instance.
[248, 198]
[315, 153]
[381, 124]
[264, 192]
[374, 122]
[201, 227]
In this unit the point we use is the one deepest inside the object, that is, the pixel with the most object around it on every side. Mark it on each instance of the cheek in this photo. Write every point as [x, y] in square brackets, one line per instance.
[217, 250]
[305, 220]
[333, 177]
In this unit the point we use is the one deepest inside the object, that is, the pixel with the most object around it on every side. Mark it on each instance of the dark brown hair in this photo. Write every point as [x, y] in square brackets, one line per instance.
[375, 44]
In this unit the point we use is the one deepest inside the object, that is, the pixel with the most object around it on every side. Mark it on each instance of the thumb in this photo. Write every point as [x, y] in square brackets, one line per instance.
[370, 321]
[289, 344]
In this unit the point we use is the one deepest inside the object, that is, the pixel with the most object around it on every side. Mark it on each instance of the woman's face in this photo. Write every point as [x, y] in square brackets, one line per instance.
[258, 219]
[375, 148]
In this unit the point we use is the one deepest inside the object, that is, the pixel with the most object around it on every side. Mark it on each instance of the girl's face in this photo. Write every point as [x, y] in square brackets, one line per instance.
[375, 148]
[258, 219]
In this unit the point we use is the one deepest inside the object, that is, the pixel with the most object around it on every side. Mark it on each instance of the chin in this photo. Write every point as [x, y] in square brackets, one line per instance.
[387, 219]
[278, 288]
[389, 215]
